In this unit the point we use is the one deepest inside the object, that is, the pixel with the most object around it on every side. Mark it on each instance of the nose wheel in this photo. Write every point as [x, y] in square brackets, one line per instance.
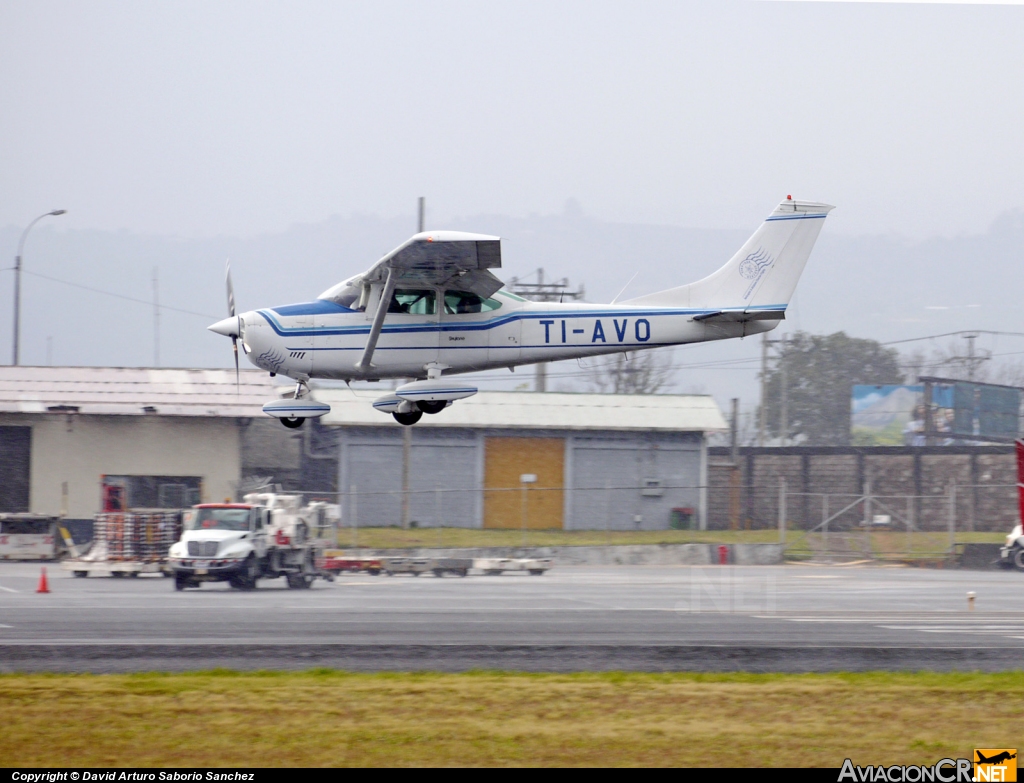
[292, 422]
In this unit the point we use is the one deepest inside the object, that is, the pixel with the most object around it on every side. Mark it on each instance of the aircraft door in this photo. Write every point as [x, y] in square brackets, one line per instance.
[410, 336]
[504, 339]
[476, 332]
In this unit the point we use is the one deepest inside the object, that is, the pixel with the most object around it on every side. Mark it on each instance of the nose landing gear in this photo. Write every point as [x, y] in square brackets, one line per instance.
[294, 410]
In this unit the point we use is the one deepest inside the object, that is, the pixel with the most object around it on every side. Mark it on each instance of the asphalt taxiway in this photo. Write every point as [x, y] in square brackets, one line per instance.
[646, 618]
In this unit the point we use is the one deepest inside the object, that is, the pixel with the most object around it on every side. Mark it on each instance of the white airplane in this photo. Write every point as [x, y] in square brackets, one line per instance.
[432, 309]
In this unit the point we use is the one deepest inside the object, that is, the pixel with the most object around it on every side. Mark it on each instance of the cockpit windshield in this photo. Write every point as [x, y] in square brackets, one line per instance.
[218, 519]
[346, 293]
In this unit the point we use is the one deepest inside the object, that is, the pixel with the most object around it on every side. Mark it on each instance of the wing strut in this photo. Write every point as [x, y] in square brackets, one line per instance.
[378, 320]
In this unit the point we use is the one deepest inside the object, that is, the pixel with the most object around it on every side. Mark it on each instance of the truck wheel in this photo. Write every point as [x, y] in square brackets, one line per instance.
[181, 582]
[117, 574]
[81, 574]
[1018, 558]
[246, 578]
[373, 572]
[536, 571]
[438, 572]
[463, 571]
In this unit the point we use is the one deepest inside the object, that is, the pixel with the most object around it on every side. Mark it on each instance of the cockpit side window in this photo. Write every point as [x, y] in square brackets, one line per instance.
[413, 302]
[458, 302]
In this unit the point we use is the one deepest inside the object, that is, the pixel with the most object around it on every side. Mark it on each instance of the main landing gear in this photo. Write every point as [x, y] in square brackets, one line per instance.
[410, 418]
[418, 408]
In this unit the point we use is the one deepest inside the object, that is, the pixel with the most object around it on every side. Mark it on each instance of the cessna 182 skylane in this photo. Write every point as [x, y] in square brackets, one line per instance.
[432, 309]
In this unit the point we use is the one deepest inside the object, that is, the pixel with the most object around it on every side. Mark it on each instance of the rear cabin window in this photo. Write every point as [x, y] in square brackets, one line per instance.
[457, 302]
[413, 302]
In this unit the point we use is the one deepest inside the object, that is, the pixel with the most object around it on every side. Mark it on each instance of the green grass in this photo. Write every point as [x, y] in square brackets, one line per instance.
[396, 538]
[883, 543]
[327, 718]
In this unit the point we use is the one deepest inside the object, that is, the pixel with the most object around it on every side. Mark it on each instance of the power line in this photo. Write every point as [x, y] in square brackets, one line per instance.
[954, 334]
[119, 296]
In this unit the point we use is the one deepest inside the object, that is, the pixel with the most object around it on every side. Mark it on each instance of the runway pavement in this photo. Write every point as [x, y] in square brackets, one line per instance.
[711, 618]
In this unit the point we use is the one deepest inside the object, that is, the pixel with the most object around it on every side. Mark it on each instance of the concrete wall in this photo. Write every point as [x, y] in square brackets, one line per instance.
[639, 554]
[78, 449]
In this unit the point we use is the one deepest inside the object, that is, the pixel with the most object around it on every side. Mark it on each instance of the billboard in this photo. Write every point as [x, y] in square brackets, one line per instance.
[955, 412]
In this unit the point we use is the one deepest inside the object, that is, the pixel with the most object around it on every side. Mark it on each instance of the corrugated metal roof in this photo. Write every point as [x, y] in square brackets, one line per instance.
[551, 410]
[129, 391]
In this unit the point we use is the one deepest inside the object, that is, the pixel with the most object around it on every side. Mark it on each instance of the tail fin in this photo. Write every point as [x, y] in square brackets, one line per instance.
[763, 274]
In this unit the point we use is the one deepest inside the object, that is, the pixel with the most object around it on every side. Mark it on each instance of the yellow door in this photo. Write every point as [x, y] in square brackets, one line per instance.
[506, 459]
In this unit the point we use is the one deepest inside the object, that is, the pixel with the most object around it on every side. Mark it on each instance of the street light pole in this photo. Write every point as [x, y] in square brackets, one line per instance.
[17, 280]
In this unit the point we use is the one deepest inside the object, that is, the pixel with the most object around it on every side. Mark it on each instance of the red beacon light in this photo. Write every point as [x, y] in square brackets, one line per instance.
[789, 198]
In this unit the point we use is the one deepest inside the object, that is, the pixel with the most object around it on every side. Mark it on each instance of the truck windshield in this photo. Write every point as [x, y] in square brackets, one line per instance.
[219, 519]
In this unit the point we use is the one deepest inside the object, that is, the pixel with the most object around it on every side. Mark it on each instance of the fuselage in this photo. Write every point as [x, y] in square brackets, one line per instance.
[324, 339]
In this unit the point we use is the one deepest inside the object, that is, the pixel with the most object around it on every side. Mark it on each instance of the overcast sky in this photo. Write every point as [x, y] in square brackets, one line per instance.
[238, 118]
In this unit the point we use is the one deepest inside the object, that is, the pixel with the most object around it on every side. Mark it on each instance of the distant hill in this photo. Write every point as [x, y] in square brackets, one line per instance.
[882, 287]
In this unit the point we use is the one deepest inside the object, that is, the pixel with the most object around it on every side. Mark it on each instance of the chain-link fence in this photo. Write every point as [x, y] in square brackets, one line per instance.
[831, 526]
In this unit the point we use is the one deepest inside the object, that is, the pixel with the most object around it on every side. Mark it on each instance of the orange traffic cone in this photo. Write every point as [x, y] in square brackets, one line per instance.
[44, 586]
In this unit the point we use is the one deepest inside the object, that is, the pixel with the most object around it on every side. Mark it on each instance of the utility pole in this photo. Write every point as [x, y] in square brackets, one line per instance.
[784, 412]
[973, 362]
[407, 431]
[156, 318]
[540, 291]
[734, 471]
[764, 388]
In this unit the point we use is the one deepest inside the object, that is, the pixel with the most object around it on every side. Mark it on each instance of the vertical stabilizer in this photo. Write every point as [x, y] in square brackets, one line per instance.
[764, 272]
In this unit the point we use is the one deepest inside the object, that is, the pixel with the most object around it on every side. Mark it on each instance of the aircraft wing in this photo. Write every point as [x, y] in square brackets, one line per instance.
[453, 259]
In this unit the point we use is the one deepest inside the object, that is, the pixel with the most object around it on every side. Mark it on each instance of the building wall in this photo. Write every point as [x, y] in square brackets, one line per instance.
[79, 449]
[610, 468]
[602, 473]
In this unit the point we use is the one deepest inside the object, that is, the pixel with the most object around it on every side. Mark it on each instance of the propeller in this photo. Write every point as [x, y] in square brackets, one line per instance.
[231, 314]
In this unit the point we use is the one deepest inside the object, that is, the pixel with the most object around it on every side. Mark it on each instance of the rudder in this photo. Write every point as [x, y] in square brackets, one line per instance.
[763, 274]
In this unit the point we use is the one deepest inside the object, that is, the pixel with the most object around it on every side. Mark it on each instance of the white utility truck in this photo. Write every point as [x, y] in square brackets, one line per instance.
[268, 535]
[1012, 555]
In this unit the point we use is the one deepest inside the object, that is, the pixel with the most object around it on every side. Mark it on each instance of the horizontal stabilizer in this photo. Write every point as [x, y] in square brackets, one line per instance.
[741, 316]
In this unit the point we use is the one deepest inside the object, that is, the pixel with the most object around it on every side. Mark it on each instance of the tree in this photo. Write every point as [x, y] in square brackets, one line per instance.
[643, 372]
[815, 374]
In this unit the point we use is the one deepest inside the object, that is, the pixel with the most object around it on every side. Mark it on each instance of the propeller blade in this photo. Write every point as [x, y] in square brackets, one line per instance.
[231, 314]
[231, 289]
[238, 382]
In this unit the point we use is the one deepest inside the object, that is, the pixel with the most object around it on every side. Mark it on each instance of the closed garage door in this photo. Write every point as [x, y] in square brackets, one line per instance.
[15, 455]
[506, 459]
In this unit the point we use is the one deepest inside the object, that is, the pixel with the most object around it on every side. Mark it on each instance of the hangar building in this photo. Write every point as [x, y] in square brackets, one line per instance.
[159, 437]
[600, 460]
[72, 438]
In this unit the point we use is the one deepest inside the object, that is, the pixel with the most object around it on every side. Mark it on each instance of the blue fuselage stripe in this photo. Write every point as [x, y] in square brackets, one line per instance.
[438, 327]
